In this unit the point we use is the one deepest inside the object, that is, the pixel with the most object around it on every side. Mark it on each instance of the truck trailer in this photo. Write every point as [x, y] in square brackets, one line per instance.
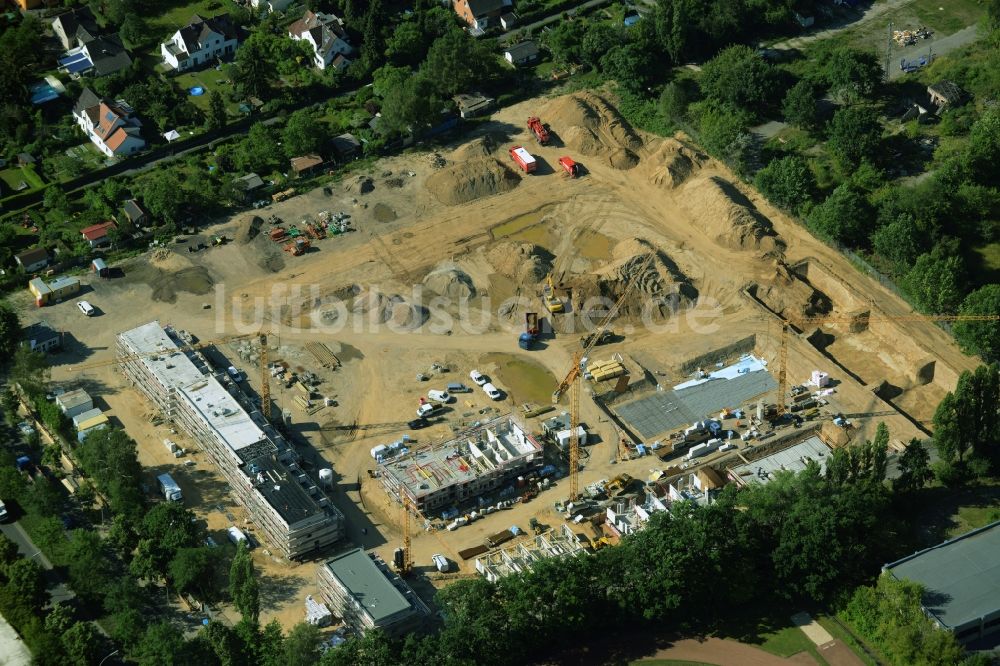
[524, 159]
[171, 491]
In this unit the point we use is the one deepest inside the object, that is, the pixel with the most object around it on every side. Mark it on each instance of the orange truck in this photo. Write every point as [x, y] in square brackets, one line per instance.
[524, 159]
[536, 126]
[569, 166]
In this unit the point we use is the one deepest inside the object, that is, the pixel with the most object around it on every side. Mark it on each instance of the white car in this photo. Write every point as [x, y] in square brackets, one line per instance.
[439, 396]
[478, 377]
[492, 391]
[3, 518]
[86, 308]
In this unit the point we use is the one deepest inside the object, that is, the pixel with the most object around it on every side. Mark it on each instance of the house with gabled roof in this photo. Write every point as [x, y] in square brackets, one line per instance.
[97, 234]
[75, 27]
[201, 41]
[325, 34]
[110, 125]
[480, 15]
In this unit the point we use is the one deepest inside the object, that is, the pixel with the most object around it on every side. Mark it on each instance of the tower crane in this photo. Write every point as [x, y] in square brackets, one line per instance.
[571, 382]
[862, 320]
[265, 380]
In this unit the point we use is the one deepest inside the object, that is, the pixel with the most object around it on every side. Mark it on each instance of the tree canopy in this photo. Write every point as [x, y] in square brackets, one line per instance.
[980, 337]
[741, 78]
[855, 135]
[787, 182]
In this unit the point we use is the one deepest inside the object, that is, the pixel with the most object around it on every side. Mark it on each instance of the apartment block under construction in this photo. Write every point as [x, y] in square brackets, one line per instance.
[290, 511]
[476, 462]
[560, 542]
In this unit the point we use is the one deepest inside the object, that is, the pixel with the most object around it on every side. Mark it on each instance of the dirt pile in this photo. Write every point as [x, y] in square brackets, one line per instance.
[391, 309]
[660, 286]
[790, 296]
[675, 161]
[725, 214]
[450, 282]
[169, 274]
[522, 262]
[468, 181]
[482, 146]
[250, 229]
[592, 127]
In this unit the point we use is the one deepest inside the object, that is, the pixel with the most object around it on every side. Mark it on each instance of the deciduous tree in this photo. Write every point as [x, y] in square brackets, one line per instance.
[787, 182]
[844, 217]
[855, 135]
[10, 333]
[937, 282]
[738, 76]
[980, 337]
[799, 105]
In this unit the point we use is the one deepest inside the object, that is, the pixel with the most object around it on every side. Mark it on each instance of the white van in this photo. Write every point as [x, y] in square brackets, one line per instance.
[234, 373]
[492, 391]
[86, 308]
[236, 535]
[441, 562]
[439, 396]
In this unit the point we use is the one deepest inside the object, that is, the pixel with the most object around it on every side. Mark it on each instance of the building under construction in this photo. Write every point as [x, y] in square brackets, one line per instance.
[561, 542]
[290, 511]
[476, 462]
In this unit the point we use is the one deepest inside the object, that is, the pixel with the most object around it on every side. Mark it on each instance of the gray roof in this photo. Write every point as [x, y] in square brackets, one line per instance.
[345, 144]
[108, 55]
[251, 181]
[483, 7]
[669, 410]
[88, 99]
[522, 50]
[961, 577]
[40, 333]
[81, 19]
[948, 90]
[133, 210]
[363, 579]
[198, 29]
[793, 459]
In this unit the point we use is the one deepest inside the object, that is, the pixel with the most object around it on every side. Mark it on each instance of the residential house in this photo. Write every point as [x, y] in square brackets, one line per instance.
[480, 15]
[107, 55]
[249, 185]
[305, 164]
[325, 34]
[508, 20]
[33, 260]
[97, 234]
[945, 93]
[199, 42]
[75, 27]
[42, 338]
[522, 53]
[270, 6]
[111, 125]
[135, 214]
[346, 146]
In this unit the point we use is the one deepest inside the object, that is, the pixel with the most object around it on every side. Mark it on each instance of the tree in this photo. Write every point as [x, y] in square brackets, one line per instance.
[166, 528]
[8, 552]
[10, 333]
[799, 106]
[738, 76]
[243, 587]
[163, 195]
[914, 468]
[936, 282]
[216, 116]
[133, 30]
[843, 217]
[899, 241]
[787, 182]
[254, 71]
[300, 135]
[853, 73]
[854, 136]
[674, 100]
[30, 371]
[980, 337]
[565, 41]
[88, 565]
[26, 581]
[82, 644]
[629, 65]
[967, 419]
[162, 645]
[194, 570]
[411, 103]
[984, 147]
[724, 132]
[457, 62]
[301, 646]
[109, 457]
[56, 202]
[598, 40]
[259, 151]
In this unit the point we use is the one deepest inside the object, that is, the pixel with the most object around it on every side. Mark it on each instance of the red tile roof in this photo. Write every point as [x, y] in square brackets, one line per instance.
[97, 231]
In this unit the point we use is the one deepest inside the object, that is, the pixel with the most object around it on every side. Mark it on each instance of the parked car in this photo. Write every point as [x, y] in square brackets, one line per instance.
[234, 373]
[478, 377]
[492, 391]
[439, 396]
[86, 308]
[427, 409]
[418, 424]
[3, 512]
[458, 387]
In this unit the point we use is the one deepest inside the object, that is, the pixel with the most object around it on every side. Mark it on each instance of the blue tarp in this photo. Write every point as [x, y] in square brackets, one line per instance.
[76, 63]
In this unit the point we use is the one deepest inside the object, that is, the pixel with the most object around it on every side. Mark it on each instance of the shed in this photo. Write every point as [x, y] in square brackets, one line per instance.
[346, 146]
[100, 267]
[75, 402]
[42, 338]
[945, 93]
[508, 20]
[33, 260]
[249, 184]
[25, 159]
[474, 104]
[522, 53]
[135, 213]
[83, 417]
[97, 234]
[40, 291]
[305, 164]
[87, 427]
[64, 287]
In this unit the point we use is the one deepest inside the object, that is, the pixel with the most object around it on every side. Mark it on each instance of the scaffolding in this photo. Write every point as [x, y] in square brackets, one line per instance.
[561, 542]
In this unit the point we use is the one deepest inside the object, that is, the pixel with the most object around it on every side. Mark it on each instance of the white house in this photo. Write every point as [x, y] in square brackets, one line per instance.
[325, 34]
[200, 42]
[110, 125]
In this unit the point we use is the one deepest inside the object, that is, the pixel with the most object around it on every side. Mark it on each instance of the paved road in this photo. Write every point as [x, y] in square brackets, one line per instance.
[936, 47]
[58, 590]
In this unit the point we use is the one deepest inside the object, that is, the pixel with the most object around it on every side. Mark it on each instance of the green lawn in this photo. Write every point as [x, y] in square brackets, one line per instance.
[786, 642]
[13, 176]
[172, 18]
[210, 80]
[847, 639]
[972, 517]
[955, 15]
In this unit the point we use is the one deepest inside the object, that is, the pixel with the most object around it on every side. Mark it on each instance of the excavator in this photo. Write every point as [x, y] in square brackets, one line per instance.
[552, 302]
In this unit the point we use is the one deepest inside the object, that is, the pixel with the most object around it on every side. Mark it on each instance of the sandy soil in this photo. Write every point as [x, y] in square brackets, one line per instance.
[368, 295]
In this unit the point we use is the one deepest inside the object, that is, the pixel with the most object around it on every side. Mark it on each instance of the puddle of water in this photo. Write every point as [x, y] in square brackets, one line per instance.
[527, 228]
[594, 245]
[516, 225]
[524, 380]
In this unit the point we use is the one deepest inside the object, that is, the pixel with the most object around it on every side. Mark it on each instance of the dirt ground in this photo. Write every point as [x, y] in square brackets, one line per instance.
[386, 298]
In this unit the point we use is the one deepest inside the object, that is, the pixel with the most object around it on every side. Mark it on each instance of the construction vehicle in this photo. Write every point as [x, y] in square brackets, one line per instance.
[278, 234]
[297, 247]
[571, 382]
[524, 159]
[284, 194]
[536, 126]
[552, 302]
[604, 338]
[571, 168]
[535, 526]
[527, 339]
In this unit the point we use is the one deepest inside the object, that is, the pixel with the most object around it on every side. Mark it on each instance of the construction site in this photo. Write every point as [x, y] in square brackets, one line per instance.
[445, 299]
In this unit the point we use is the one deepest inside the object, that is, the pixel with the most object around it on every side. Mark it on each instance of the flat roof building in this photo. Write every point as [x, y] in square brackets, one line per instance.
[262, 470]
[476, 462]
[366, 594]
[961, 580]
[793, 459]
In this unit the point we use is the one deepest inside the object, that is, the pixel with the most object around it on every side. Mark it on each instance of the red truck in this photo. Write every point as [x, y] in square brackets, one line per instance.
[569, 166]
[536, 126]
[523, 158]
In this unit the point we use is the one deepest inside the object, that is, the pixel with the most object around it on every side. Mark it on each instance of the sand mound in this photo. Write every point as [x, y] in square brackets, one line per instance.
[450, 282]
[677, 161]
[790, 296]
[250, 229]
[522, 262]
[482, 146]
[728, 216]
[477, 178]
[588, 124]
[389, 309]
[659, 284]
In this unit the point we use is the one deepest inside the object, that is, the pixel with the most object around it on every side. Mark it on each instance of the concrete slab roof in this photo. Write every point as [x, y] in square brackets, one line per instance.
[793, 459]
